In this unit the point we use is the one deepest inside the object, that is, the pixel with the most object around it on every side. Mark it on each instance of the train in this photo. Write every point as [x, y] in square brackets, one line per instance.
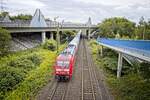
[66, 59]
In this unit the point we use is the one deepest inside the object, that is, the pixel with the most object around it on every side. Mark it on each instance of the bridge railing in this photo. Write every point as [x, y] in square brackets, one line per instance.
[14, 24]
[27, 24]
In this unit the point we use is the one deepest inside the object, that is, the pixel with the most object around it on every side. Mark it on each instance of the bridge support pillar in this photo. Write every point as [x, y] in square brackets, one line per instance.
[43, 37]
[52, 36]
[119, 68]
[83, 31]
[89, 31]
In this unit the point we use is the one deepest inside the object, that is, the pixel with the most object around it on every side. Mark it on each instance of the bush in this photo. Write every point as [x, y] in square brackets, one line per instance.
[35, 79]
[93, 42]
[22, 63]
[145, 70]
[25, 72]
[26, 62]
[67, 36]
[9, 78]
[133, 87]
[94, 46]
[50, 45]
[110, 64]
[15, 68]
[36, 59]
[5, 39]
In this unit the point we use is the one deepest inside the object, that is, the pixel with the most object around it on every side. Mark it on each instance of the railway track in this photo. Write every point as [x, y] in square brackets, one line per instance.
[86, 83]
[99, 78]
[59, 91]
[74, 92]
[90, 87]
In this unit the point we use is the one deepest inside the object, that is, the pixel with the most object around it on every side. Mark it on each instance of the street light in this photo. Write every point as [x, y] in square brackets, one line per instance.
[57, 35]
[89, 25]
[62, 25]
[144, 31]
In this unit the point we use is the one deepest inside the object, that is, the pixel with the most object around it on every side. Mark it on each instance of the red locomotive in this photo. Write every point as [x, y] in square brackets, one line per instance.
[66, 60]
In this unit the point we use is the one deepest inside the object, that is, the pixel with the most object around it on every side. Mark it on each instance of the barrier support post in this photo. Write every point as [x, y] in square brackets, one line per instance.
[101, 51]
[119, 68]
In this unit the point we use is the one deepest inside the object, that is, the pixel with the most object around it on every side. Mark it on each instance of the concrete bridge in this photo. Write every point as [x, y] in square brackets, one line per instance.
[39, 24]
[45, 29]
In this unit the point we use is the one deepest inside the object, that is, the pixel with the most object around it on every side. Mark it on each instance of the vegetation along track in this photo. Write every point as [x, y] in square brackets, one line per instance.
[86, 83]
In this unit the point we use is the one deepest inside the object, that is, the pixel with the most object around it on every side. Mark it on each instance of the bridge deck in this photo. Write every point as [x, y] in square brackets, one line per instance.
[135, 48]
[43, 29]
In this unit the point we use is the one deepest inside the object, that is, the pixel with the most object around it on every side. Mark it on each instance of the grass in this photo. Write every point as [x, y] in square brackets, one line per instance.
[35, 79]
[39, 72]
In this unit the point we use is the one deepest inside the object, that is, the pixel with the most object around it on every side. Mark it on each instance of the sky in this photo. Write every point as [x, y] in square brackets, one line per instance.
[81, 10]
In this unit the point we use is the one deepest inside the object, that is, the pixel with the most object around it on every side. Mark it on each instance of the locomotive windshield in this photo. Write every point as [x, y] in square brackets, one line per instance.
[66, 53]
[63, 63]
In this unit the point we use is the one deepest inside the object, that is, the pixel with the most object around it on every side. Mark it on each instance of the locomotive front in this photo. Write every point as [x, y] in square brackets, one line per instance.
[63, 67]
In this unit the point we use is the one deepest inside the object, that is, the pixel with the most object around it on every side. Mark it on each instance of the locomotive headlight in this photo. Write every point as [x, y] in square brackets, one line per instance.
[58, 70]
[67, 70]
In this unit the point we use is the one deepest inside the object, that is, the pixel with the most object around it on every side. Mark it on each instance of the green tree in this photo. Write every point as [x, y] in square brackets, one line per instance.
[67, 35]
[5, 38]
[3, 14]
[142, 30]
[116, 26]
[50, 45]
[22, 17]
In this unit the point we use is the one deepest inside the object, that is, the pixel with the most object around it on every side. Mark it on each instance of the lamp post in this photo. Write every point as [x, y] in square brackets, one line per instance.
[57, 34]
[62, 25]
[89, 32]
[89, 25]
[144, 31]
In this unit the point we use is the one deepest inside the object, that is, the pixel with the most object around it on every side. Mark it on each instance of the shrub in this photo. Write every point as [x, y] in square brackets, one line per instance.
[35, 79]
[145, 70]
[36, 59]
[22, 63]
[133, 87]
[93, 43]
[26, 62]
[67, 36]
[9, 78]
[50, 45]
[110, 64]
[5, 38]
[26, 72]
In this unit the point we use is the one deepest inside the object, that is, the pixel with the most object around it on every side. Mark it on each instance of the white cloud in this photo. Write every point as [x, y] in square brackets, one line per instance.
[33, 3]
[125, 7]
[80, 10]
[115, 2]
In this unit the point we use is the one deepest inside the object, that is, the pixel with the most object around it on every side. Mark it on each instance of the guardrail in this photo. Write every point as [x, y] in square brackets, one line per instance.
[27, 24]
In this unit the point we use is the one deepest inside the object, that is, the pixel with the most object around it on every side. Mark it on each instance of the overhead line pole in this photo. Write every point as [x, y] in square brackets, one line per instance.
[57, 34]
